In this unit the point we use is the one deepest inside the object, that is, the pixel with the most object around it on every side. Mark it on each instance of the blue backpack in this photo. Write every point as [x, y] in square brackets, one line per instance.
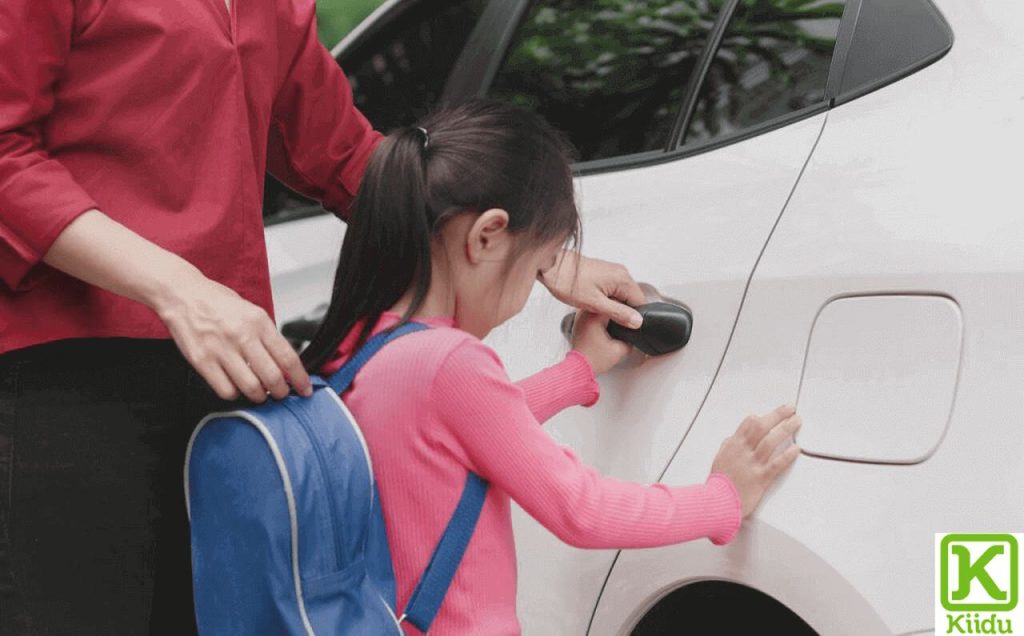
[287, 531]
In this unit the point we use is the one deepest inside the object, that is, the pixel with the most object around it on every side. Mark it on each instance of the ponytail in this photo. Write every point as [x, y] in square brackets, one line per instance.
[479, 155]
[386, 249]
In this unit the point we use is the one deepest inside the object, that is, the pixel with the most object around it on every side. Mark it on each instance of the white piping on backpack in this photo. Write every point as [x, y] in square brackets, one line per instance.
[289, 494]
[369, 464]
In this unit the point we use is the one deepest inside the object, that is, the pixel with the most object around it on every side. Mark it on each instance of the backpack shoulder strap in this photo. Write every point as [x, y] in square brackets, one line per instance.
[437, 578]
[430, 592]
[340, 380]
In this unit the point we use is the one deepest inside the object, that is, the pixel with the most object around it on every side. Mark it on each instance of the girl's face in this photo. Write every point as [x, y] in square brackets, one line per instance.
[489, 289]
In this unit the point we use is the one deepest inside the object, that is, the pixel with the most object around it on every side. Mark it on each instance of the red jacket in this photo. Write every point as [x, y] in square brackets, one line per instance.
[164, 115]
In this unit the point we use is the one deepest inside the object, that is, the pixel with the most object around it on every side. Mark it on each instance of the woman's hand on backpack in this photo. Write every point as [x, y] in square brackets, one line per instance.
[231, 342]
[751, 457]
[590, 337]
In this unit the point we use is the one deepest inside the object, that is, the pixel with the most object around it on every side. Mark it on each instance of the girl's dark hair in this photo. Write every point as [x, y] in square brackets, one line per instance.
[479, 155]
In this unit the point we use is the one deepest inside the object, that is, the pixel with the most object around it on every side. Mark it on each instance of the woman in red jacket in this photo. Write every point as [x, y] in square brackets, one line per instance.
[134, 138]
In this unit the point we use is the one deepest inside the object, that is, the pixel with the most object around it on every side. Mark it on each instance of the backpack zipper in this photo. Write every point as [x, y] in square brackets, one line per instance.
[318, 450]
[369, 465]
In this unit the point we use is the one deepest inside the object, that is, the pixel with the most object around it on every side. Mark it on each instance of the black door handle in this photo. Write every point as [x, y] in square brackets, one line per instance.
[667, 328]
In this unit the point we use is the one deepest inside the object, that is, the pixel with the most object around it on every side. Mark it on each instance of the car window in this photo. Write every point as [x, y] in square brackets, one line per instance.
[609, 73]
[397, 73]
[774, 59]
[914, 34]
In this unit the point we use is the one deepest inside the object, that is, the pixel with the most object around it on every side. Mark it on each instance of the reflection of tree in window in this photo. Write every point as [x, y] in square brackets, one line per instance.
[610, 73]
[399, 75]
[773, 60]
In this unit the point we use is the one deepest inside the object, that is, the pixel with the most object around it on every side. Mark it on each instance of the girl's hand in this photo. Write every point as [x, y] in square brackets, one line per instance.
[594, 285]
[749, 457]
[590, 337]
[231, 342]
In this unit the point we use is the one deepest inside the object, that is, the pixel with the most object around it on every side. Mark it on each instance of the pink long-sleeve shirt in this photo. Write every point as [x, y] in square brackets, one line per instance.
[437, 403]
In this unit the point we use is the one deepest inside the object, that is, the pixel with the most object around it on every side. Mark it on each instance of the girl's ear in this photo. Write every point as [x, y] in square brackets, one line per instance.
[488, 238]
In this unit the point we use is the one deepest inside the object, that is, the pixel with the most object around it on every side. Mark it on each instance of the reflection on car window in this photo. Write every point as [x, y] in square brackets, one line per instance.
[773, 60]
[610, 73]
[397, 76]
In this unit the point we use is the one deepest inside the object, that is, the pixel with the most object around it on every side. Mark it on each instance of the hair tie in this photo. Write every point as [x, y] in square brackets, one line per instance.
[426, 137]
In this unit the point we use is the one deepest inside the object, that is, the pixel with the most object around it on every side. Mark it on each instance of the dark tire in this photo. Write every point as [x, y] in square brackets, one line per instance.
[716, 608]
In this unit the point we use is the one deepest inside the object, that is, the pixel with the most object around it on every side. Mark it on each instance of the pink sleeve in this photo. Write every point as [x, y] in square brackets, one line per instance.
[490, 423]
[571, 382]
[319, 143]
[38, 196]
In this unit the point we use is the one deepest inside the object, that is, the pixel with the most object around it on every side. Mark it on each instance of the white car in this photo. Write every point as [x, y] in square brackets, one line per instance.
[833, 189]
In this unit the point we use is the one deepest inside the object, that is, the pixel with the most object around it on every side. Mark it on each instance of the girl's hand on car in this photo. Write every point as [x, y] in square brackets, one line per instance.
[590, 337]
[231, 342]
[749, 456]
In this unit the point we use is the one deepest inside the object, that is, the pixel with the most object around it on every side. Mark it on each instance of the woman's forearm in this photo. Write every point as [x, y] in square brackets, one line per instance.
[231, 342]
[104, 253]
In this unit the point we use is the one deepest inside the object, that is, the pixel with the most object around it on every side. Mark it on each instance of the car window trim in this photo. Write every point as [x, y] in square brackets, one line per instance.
[676, 149]
[378, 19]
[656, 157]
[509, 25]
[844, 40]
[673, 150]
[677, 133]
[481, 57]
[843, 95]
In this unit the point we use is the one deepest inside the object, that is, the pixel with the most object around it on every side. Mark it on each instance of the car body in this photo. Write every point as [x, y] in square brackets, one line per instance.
[854, 247]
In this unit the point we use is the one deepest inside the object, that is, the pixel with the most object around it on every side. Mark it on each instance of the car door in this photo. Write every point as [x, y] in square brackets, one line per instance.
[892, 317]
[694, 120]
[398, 62]
[691, 135]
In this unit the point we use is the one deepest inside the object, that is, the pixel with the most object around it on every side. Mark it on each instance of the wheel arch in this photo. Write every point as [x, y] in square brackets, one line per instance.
[760, 561]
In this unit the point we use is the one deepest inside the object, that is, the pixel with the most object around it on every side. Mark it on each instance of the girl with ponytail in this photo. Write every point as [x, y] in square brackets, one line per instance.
[453, 223]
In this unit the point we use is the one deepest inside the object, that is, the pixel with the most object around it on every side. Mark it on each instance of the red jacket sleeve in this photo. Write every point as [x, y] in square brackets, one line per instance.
[38, 196]
[319, 143]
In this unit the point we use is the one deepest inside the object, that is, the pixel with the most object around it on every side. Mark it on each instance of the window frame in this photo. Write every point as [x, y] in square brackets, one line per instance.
[488, 45]
[674, 150]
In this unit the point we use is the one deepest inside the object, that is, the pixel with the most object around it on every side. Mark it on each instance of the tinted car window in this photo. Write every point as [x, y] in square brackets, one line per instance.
[610, 73]
[397, 74]
[774, 59]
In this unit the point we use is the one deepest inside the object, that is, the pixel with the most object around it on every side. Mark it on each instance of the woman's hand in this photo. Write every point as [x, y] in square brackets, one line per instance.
[590, 337]
[748, 457]
[232, 343]
[596, 286]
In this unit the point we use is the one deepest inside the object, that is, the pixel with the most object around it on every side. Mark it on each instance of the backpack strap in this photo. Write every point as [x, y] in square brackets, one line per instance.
[342, 378]
[437, 578]
[430, 592]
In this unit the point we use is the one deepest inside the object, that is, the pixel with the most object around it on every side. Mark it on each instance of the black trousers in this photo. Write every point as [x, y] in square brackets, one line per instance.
[93, 527]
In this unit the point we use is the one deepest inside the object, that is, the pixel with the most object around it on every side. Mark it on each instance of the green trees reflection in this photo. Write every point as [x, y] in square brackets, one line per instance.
[609, 65]
[335, 18]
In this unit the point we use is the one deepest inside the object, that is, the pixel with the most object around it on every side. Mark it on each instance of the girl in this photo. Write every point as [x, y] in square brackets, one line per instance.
[452, 225]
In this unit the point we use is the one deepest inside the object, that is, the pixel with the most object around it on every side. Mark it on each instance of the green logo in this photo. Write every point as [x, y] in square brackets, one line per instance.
[978, 572]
